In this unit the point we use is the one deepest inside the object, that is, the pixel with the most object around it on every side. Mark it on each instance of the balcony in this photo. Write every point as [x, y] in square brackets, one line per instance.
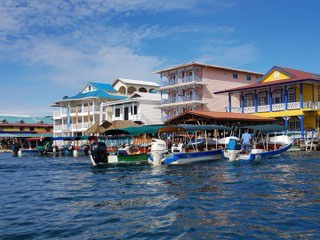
[180, 82]
[276, 107]
[182, 100]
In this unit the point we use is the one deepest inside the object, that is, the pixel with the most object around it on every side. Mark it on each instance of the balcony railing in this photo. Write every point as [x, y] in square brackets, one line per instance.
[276, 107]
[187, 79]
[181, 99]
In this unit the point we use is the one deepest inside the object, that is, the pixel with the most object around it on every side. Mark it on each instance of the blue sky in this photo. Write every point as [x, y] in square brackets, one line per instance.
[49, 49]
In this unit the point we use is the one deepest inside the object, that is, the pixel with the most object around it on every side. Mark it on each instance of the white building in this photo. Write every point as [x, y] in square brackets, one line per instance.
[138, 107]
[74, 115]
[129, 86]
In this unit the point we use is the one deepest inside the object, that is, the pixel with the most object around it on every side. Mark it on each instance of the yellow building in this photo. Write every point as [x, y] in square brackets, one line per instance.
[14, 124]
[291, 96]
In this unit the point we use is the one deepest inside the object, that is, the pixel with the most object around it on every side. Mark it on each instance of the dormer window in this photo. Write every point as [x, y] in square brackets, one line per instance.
[89, 88]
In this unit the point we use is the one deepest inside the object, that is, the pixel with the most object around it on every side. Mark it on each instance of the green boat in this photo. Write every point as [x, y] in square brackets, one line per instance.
[128, 158]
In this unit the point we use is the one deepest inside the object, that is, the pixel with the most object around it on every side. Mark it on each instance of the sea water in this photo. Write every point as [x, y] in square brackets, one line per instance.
[55, 198]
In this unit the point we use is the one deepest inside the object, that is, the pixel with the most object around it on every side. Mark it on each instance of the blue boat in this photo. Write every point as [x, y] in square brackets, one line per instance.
[195, 150]
[268, 150]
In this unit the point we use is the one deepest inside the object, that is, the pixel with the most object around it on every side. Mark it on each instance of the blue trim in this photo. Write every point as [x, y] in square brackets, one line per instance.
[286, 97]
[302, 125]
[242, 102]
[270, 99]
[301, 95]
[175, 157]
[255, 101]
[286, 122]
[270, 153]
[229, 104]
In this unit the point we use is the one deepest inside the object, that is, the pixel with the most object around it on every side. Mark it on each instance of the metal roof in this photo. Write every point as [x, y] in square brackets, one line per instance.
[26, 119]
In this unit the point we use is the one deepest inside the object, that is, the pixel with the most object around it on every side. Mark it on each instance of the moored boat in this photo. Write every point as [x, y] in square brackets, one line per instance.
[262, 146]
[190, 148]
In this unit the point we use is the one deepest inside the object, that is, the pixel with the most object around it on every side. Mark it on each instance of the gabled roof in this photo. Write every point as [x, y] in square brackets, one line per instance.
[103, 86]
[103, 90]
[295, 77]
[96, 94]
[136, 82]
[206, 65]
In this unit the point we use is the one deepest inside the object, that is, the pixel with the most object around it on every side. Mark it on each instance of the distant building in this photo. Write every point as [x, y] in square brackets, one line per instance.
[74, 115]
[291, 96]
[191, 86]
[139, 107]
[17, 124]
[128, 86]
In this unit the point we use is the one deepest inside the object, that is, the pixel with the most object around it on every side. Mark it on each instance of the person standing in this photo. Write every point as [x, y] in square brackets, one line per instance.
[246, 139]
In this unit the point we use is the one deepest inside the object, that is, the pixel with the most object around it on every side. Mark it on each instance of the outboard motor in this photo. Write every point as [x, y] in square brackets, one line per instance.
[70, 150]
[177, 147]
[15, 149]
[86, 149]
[158, 149]
[99, 153]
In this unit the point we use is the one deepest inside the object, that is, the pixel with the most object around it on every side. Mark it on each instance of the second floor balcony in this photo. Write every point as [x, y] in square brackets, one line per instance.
[62, 112]
[276, 107]
[182, 100]
[165, 84]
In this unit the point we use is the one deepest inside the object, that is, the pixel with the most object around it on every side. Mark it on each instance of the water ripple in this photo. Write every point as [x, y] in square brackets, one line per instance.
[54, 198]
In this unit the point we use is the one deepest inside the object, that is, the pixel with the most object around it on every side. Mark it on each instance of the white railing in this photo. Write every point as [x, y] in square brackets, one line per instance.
[234, 109]
[294, 105]
[278, 107]
[249, 109]
[264, 108]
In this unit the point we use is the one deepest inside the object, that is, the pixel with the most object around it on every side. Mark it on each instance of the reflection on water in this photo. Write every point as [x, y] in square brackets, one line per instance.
[68, 198]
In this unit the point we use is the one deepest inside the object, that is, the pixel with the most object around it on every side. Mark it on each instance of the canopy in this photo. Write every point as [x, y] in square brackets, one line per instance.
[267, 128]
[135, 131]
[193, 128]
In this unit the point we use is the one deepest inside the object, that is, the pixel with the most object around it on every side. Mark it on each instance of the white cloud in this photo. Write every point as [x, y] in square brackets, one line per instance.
[237, 56]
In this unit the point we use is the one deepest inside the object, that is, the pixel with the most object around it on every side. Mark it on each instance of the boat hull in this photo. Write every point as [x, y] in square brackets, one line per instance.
[185, 158]
[113, 159]
[253, 156]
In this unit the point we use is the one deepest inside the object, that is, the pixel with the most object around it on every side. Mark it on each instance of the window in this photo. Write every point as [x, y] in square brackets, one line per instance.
[249, 77]
[21, 128]
[262, 98]
[235, 76]
[294, 124]
[31, 128]
[276, 97]
[135, 110]
[117, 113]
[291, 95]
[248, 100]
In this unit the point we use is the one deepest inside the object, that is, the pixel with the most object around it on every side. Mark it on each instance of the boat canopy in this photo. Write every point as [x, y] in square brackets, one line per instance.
[193, 128]
[135, 131]
[267, 128]
[78, 138]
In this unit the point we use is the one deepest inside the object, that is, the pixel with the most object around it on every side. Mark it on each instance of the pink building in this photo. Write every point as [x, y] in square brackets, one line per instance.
[191, 86]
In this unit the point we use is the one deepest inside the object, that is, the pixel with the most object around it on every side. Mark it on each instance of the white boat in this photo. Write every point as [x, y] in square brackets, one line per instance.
[179, 154]
[271, 147]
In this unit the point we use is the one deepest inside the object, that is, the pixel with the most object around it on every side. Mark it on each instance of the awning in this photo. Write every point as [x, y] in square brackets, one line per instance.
[135, 131]
[193, 128]
[267, 128]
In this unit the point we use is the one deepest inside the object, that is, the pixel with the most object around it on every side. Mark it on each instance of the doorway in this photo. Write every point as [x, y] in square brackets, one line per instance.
[126, 113]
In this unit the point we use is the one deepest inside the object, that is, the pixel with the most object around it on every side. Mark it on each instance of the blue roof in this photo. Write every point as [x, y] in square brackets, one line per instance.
[103, 91]
[31, 120]
[98, 94]
[103, 86]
